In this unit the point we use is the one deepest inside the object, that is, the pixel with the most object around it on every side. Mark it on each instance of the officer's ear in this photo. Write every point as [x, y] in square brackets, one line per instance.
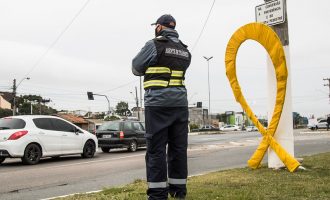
[159, 28]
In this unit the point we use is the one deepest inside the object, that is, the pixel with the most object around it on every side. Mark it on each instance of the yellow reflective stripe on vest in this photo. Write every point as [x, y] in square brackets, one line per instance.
[158, 70]
[151, 83]
[176, 73]
[176, 82]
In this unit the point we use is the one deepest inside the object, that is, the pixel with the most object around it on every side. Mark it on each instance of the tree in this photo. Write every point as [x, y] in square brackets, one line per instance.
[99, 116]
[122, 109]
[24, 105]
[111, 118]
[25, 98]
[5, 112]
[222, 117]
[193, 126]
[298, 119]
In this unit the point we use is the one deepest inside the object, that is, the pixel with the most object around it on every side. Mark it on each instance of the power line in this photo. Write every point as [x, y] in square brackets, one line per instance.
[120, 86]
[312, 100]
[58, 38]
[43, 86]
[200, 34]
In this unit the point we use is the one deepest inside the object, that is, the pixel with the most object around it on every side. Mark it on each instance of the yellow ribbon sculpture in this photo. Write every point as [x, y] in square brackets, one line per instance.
[269, 39]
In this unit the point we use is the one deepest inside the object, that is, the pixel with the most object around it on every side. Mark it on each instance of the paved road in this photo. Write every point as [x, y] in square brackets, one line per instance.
[72, 174]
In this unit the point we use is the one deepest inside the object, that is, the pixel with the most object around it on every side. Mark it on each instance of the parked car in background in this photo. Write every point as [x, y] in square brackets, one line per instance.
[121, 134]
[230, 128]
[208, 128]
[251, 128]
[32, 137]
[314, 125]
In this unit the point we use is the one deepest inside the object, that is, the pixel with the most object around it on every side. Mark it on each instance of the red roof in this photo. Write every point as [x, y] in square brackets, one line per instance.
[73, 119]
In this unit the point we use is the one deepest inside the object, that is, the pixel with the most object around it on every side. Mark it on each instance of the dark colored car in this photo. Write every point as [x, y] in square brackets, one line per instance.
[121, 134]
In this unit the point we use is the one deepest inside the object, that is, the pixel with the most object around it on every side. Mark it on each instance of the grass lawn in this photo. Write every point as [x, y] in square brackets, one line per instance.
[264, 183]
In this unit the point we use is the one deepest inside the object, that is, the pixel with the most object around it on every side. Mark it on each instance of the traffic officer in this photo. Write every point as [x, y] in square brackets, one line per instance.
[163, 62]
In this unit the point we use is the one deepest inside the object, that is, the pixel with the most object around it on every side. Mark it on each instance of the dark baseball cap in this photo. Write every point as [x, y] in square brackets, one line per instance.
[166, 20]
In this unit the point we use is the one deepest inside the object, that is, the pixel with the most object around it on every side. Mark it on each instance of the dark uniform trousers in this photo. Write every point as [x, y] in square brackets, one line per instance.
[166, 126]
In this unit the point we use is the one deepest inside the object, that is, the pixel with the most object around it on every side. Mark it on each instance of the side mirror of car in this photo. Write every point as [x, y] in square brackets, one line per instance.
[76, 131]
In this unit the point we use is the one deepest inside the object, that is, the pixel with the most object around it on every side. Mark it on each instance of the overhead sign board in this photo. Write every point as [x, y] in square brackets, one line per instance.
[271, 13]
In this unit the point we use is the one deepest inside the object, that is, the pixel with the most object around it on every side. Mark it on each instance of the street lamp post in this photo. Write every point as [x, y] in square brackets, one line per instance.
[208, 79]
[137, 102]
[14, 93]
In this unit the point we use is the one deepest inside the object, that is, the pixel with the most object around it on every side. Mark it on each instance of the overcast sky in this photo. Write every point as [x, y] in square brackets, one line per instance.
[95, 52]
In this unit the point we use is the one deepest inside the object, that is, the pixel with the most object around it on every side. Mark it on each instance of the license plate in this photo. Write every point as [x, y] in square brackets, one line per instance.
[106, 136]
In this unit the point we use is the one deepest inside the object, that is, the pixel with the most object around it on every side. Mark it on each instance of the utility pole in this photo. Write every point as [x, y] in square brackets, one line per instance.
[282, 29]
[31, 108]
[141, 92]
[137, 102]
[40, 107]
[14, 97]
[284, 132]
[14, 93]
[327, 79]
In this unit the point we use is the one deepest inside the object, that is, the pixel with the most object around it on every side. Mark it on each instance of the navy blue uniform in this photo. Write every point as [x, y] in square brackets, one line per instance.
[163, 62]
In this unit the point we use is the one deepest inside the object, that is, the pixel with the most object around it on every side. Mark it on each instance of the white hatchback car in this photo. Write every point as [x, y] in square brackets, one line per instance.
[314, 125]
[31, 137]
[230, 128]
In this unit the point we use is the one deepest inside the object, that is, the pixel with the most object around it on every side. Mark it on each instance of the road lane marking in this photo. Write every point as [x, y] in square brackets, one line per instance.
[314, 132]
[95, 161]
[236, 143]
[88, 162]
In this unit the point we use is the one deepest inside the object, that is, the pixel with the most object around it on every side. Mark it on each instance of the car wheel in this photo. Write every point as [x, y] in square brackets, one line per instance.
[89, 149]
[32, 154]
[105, 149]
[2, 159]
[132, 146]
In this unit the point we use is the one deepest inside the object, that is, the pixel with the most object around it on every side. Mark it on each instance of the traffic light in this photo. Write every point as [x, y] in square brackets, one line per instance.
[90, 95]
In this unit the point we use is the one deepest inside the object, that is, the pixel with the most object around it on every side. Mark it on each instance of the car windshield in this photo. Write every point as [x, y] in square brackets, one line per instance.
[109, 126]
[11, 123]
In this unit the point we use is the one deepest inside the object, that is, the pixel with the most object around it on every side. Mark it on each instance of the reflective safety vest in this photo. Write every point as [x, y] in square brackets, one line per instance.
[169, 71]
